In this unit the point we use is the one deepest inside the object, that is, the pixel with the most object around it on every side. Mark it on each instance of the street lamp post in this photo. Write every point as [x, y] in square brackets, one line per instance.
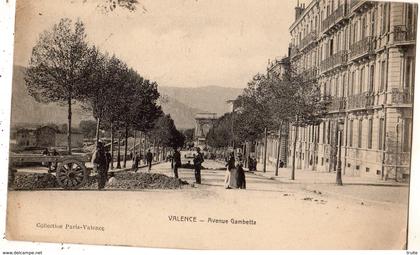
[339, 180]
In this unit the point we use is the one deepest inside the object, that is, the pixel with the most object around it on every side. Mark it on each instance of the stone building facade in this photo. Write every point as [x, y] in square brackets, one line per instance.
[362, 54]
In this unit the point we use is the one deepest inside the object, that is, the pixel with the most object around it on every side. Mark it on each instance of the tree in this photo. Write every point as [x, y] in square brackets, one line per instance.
[166, 134]
[88, 128]
[271, 102]
[299, 102]
[220, 134]
[59, 67]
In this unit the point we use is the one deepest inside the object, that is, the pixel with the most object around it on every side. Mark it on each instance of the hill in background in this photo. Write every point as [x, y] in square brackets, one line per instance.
[181, 103]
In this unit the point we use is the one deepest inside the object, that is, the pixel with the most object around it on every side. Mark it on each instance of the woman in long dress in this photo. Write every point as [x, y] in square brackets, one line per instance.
[230, 165]
[240, 173]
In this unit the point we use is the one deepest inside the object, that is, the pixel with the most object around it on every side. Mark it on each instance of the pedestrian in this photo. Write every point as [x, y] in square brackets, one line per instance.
[46, 153]
[55, 153]
[112, 180]
[281, 164]
[136, 161]
[108, 159]
[99, 161]
[149, 159]
[176, 162]
[240, 173]
[229, 166]
[198, 160]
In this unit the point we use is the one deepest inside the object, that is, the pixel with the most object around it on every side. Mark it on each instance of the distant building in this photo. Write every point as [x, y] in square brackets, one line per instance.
[25, 137]
[203, 123]
[45, 136]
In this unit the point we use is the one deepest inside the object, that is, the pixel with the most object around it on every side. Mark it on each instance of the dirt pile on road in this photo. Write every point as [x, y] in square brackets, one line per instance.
[30, 181]
[133, 181]
[124, 181]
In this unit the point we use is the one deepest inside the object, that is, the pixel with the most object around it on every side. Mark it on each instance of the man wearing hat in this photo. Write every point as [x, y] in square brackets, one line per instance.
[198, 160]
[99, 162]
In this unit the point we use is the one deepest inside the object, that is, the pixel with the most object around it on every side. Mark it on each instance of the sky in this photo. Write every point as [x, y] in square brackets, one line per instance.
[182, 43]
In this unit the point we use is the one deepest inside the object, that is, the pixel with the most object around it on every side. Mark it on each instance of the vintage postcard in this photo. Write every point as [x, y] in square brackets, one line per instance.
[197, 124]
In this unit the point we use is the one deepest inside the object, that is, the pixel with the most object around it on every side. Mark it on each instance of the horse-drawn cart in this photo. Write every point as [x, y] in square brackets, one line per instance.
[71, 172]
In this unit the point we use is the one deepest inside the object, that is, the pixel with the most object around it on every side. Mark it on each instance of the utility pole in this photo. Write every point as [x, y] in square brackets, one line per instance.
[265, 150]
[278, 151]
[294, 149]
[339, 180]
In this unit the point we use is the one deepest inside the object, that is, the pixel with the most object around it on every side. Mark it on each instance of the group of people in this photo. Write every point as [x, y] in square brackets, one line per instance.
[197, 161]
[138, 157]
[235, 174]
[54, 152]
[101, 160]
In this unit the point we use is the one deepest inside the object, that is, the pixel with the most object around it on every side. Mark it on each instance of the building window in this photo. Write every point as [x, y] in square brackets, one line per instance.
[336, 87]
[371, 78]
[360, 133]
[351, 133]
[406, 135]
[344, 84]
[409, 73]
[329, 132]
[362, 80]
[383, 76]
[353, 80]
[372, 23]
[323, 132]
[381, 134]
[370, 129]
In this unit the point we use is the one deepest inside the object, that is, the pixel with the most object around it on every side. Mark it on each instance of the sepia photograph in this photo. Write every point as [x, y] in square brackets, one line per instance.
[212, 125]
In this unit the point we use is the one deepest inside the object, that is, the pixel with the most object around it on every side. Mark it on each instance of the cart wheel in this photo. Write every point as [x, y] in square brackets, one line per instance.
[71, 174]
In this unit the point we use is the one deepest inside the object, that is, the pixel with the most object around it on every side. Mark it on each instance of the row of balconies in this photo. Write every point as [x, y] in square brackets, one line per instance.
[362, 48]
[310, 73]
[308, 39]
[339, 58]
[367, 99]
[404, 33]
[332, 19]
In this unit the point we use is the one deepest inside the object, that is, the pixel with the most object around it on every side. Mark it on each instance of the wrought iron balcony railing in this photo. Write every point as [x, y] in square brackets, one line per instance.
[404, 33]
[362, 48]
[308, 39]
[401, 96]
[339, 58]
[310, 73]
[356, 4]
[360, 101]
[333, 18]
[337, 104]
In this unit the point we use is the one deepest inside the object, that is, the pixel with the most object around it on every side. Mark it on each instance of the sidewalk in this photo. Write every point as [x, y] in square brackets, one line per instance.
[355, 188]
[317, 177]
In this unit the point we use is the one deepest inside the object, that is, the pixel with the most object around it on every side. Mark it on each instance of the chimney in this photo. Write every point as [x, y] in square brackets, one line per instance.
[299, 10]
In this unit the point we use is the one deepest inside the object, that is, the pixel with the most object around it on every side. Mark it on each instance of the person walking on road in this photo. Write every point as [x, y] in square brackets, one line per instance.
[108, 160]
[149, 159]
[99, 162]
[198, 160]
[176, 162]
[230, 165]
[241, 182]
[136, 161]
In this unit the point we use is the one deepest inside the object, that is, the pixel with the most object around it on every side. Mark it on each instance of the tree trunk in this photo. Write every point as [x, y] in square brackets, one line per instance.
[294, 153]
[134, 143]
[112, 146]
[339, 180]
[119, 152]
[265, 151]
[69, 126]
[125, 146]
[278, 151]
[98, 123]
